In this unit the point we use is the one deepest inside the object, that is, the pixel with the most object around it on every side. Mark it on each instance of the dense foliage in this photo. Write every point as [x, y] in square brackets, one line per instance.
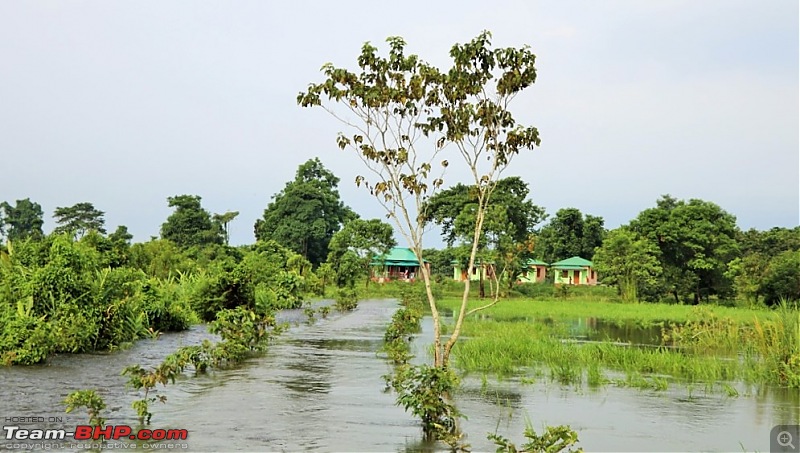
[21, 221]
[190, 224]
[569, 233]
[692, 251]
[59, 294]
[305, 215]
[56, 296]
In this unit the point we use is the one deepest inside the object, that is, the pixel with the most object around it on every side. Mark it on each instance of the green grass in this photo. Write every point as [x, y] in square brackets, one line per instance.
[520, 309]
[506, 348]
[714, 344]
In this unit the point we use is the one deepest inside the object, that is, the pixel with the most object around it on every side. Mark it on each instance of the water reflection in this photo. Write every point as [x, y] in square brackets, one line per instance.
[494, 394]
[628, 331]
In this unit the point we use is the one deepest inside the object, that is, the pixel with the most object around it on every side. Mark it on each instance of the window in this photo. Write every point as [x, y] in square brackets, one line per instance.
[564, 274]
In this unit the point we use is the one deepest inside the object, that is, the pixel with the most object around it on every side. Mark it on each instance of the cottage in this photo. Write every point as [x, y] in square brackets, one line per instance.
[399, 264]
[536, 272]
[574, 271]
[479, 271]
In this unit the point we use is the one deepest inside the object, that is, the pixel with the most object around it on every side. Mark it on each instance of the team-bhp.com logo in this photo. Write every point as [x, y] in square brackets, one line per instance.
[30, 438]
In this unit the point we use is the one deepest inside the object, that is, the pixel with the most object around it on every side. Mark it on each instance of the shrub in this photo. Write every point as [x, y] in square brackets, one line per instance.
[346, 299]
[25, 339]
[424, 390]
[91, 401]
[222, 290]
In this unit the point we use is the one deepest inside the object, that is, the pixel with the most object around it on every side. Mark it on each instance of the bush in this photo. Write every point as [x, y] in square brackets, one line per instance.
[74, 329]
[346, 299]
[782, 279]
[24, 339]
[222, 290]
[535, 290]
[165, 306]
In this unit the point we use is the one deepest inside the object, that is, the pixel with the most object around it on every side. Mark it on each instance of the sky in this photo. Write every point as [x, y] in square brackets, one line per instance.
[123, 104]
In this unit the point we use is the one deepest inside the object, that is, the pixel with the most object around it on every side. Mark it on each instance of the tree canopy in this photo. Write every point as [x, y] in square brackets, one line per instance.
[630, 262]
[510, 222]
[364, 239]
[305, 215]
[409, 114]
[79, 219]
[696, 238]
[569, 233]
[764, 257]
[513, 215]
[224, 221]
[190, 224]
[21, 221]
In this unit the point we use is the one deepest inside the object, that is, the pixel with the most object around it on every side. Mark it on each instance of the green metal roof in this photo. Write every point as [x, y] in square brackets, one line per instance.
[575, 262]
[398, 256]
[536, 263]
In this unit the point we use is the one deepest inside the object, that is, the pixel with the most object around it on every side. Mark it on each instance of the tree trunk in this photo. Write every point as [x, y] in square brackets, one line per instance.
[481, 288]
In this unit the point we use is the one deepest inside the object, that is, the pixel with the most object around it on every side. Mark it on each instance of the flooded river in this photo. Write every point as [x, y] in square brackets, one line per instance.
[319, 387]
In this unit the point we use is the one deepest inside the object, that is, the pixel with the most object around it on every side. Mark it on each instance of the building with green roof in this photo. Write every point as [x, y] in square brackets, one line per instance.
[479, 271]
[536, 272]
[400, 263]
[574, 271]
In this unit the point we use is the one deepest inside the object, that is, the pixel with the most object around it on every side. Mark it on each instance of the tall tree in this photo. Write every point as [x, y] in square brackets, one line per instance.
[453, 210]
[569, 233]
[594, 233]
[190, 224]
[306, 213]
[224, 220]
[79, 219]
[404, 112]
[120, 241]
[21, 221]
[697, 241]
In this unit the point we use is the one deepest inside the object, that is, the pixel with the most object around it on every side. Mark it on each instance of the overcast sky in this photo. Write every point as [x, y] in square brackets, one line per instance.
[125, 103]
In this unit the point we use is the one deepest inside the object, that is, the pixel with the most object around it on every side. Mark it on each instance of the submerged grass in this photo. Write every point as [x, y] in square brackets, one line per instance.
[707, 345]
[505, 348]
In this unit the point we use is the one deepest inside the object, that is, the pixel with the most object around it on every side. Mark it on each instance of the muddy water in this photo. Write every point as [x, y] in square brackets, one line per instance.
[319, 388]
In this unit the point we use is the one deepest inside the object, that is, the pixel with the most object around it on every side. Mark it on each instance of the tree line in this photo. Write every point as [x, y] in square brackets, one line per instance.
[687, 251]
[684, 251]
